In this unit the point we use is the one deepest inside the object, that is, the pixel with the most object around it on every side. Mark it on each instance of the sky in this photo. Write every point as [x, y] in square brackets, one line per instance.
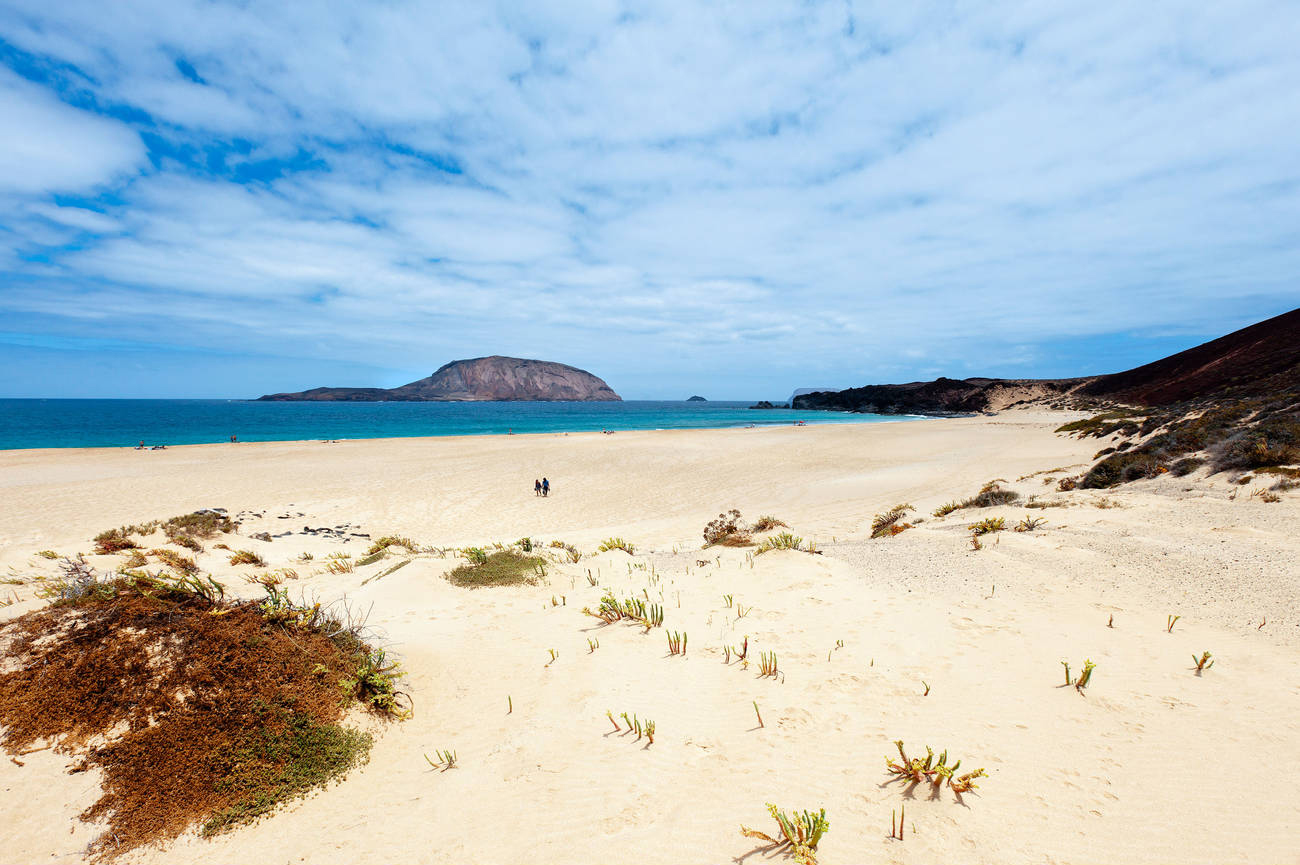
[213, 199]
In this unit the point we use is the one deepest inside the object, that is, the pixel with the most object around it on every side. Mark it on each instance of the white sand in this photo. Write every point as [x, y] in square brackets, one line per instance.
[1151, 764]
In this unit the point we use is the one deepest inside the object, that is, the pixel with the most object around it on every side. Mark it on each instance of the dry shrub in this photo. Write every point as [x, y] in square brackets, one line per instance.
[728, 530]
[890, 523]
[176, 561]
[114, 541]
[209, 719]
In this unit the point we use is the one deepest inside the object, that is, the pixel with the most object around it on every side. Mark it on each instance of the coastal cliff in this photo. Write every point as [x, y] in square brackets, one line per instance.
[480, 379]
[1262, 360]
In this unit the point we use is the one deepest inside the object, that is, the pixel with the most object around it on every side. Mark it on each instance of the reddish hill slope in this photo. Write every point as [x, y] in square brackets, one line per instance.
[1252, 361]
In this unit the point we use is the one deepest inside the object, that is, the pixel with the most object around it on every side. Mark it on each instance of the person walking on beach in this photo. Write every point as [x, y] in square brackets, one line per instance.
[546, 488]
[537, 487]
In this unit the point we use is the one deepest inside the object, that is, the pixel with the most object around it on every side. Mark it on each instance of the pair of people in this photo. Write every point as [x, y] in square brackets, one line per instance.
[542, 488]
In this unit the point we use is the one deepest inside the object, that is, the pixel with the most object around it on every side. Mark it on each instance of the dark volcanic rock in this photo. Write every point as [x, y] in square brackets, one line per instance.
[762, 403]
[941, 396]
[696, 399]
[480, 379]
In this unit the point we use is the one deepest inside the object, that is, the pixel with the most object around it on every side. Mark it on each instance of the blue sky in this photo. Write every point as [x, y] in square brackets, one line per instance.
[217, 199]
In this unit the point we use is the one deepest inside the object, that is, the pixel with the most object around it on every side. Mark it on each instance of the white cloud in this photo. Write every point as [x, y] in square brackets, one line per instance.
[833, 187]
[49, 146]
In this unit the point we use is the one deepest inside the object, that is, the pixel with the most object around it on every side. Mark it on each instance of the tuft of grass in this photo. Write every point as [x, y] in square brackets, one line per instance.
[945, 509]
[676, 643]
[247, 557]
[339, 563]
[781, 541]
[1030, 524]
[767, 664]
[616, 544]
[802, 832]
[176, 561]
[1170, 621]
[988, 525]
[767, 522]
[889, 523]
[387, 541]
[48, 554]
[114, 541]
[446, 760]
[504, 568]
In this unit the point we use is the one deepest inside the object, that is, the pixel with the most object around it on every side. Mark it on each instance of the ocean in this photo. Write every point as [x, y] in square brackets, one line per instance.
[68, 423]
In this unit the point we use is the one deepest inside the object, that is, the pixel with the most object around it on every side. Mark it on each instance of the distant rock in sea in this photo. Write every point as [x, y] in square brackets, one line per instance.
[762, 403]
[696, 399]
[481, 379]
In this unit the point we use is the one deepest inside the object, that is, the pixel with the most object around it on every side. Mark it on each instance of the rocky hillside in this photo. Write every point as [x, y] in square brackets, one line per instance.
[477, 380]
[1262, 360]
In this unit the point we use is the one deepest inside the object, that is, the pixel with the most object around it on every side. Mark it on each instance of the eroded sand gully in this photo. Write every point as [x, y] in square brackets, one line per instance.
[1151, 764]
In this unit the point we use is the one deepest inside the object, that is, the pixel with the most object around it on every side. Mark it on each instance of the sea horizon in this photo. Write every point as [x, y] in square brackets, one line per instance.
[37, 423]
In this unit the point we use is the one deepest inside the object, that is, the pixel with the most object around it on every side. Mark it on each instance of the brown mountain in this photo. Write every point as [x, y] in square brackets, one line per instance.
[1260, 360]
[1248, 362]
[478, 380]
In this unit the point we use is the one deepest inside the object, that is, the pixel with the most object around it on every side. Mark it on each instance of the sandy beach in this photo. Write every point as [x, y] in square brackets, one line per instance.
[1145, 765]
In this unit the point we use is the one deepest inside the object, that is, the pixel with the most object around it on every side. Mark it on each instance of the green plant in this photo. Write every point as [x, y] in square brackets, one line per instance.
[592, 645]
[742, 611]
[728, 599]
[1084, 677]
[839, 644]
[475, 555]
[767, 664]
[802, 832]
[525, 544]
[446, 760]
[48, 554]
[505, 568]
[780, 541]
[888, 524]
[246, 557]
[975, 543]
[113, 541]
[175, 561]
[756, 713]
[945, 509]
[616, 544]
[936, 772]
[1202, 663]
[374, 683]
[988, 525]
[1030, 524]
[1170, 621]
[650, 731]
[554, 656]
[897, 834]
[676, 643]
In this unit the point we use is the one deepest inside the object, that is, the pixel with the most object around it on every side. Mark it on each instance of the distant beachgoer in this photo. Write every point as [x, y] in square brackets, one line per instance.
[537, 487]
[233, 438]
[140, 446]
[546, 488]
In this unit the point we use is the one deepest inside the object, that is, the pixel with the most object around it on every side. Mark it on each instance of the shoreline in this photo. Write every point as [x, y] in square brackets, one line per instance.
[942, 644]
[476, 436]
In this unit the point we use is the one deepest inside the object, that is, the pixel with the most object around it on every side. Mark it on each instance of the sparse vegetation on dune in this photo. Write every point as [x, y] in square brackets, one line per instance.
[616, 544]
[800, 833]
[890, 523]
[387, 541]
[219, 711]
[246, 557]
[728, 530]
[988, 526]
[784, 541]
[934, 771]
[990, 495]
[504, 568]
[176, 561]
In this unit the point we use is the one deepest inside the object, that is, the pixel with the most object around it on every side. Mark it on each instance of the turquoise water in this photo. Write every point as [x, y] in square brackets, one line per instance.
[66, 423]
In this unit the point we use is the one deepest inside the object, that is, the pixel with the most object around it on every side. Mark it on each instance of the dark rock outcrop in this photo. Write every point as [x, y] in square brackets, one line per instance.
[762, 403]
[1262, 360]
[478, 380]
[696, 399]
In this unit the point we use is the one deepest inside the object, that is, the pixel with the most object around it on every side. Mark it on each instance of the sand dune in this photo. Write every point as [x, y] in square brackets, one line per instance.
[1151, 763]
